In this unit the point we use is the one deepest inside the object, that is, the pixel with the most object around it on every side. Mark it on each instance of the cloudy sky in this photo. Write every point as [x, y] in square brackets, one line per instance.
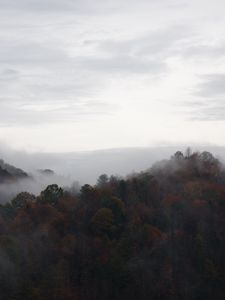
[95, 74]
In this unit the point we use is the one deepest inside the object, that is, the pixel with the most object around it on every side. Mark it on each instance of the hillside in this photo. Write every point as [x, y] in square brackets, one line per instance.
[10, 173]
[158, 234]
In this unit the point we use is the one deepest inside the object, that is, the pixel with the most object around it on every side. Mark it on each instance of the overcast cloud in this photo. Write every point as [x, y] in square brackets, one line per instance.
[93, 74]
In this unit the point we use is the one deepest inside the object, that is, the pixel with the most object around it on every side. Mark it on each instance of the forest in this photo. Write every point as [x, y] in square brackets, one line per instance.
[158, 234]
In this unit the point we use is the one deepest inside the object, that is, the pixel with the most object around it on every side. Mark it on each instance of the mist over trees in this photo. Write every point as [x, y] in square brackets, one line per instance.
[157, 234]
[10, 173]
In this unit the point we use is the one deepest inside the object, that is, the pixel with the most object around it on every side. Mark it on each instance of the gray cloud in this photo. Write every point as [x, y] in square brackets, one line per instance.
[36, 74]
[23, 53]
[124, 64]
[43, 5]
[81, 6]
[8, 75]
[13, 114]
[202, 51]
[70, 60]
[137, 55]
[208, 99]
[213, 85]
[155, 43]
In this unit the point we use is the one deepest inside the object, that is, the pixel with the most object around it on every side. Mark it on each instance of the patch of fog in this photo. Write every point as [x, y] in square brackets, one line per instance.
[85, 167]
[34, 185]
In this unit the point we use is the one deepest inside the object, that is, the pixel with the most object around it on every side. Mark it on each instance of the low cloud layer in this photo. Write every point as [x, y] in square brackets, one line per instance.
[77, 168]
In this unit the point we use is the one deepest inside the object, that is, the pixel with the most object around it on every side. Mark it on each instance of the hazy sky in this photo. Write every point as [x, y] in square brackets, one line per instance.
[92, 74]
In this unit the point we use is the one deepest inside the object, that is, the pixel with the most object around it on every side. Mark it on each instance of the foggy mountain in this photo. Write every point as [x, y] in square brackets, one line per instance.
[9, 173]
[86, 166]
[81, 167]
[14, 180]
[122, 238]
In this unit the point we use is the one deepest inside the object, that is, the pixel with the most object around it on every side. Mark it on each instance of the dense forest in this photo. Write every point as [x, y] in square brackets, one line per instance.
[158, 234]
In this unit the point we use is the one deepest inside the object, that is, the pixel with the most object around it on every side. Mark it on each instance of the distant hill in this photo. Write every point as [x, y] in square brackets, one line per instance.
[86, 166]
[46, 172]
[10, 173]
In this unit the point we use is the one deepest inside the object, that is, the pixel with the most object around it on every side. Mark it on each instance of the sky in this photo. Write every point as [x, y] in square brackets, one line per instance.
[79, 75]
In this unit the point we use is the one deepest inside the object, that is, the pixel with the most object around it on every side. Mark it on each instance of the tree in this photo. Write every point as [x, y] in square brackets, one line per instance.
[22, 199]
[51, 194]
[103, 221]
[178, 156]
[102, 180]
[188, 152]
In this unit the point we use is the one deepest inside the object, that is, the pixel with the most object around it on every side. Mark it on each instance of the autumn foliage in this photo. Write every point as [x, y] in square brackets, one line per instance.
[159, 234]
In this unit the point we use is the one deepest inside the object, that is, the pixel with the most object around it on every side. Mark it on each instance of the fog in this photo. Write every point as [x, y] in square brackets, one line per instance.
[34, 185]
[84, 167]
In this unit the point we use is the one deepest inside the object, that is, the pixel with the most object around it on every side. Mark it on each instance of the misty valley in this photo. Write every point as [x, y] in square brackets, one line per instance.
[156, 234]
[100, 198]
